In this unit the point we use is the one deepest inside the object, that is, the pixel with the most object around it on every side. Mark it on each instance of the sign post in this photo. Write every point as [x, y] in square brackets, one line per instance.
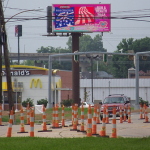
[16, 90]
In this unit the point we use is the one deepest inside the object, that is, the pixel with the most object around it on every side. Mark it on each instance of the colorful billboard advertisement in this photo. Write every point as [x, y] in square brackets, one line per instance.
[81, 17]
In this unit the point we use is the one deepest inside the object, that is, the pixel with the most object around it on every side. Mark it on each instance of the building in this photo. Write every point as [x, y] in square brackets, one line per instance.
[32, 82]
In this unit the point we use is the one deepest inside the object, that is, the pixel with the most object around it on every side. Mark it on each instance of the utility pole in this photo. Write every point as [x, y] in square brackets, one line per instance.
[6, 58]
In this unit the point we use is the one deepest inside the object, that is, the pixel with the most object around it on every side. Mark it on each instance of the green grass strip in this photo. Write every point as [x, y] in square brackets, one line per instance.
[87, 143]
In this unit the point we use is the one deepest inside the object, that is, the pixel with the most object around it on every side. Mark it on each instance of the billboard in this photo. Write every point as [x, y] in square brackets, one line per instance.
[81, 18]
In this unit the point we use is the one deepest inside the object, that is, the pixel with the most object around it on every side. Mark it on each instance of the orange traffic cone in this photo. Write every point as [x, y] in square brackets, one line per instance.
[114, 131]
[145, 111]
[32, 124]
[28, 114]
[77, 113]
[124, 114]
[107, 116]
[120, 113]
[56, 117]
[82, 119]
[44, 122]
[98, 116]
[89, 122]
[75, 119]
[94, 126]
[9, 131]
[72, 114]
[129, 114]
[141, 112]
[146, 114]
[63, 119]
[22, 129]
[53, 117]
[103, 128]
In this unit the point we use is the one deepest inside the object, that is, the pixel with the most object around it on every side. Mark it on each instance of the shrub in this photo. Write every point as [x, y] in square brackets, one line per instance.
[142, 102]
[67, 102]
[28, 100]
[42, 102]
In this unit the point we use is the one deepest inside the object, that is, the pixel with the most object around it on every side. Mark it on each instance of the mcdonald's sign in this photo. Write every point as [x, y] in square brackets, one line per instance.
[35, 83]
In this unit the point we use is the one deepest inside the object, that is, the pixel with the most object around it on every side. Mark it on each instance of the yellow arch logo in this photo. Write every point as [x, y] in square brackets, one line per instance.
[35, 83]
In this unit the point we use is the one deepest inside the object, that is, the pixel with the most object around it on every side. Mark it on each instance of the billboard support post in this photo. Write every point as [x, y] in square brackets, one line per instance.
[75, 69]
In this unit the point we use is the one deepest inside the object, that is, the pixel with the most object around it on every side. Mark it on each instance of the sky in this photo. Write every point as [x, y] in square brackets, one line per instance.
[33, 30]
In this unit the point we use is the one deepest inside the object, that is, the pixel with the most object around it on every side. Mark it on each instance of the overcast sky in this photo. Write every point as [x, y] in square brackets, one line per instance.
[33, 30]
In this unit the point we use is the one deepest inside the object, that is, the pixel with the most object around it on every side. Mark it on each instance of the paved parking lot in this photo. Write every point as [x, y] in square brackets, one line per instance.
[134, 129]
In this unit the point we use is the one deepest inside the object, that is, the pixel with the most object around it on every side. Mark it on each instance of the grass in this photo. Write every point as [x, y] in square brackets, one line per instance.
[38, 117]
[87, 143]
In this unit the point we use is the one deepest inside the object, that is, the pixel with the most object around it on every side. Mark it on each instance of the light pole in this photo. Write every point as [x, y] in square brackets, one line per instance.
[91, 57]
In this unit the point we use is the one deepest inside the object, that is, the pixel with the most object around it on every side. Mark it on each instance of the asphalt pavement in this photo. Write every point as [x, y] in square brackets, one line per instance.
[137, 128]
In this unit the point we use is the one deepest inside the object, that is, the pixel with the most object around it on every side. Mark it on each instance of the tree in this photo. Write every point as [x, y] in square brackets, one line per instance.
[69, 43]
[98, 44]
[48, 49]
[142, 45]
[28, 62]
[86, 43]
[121, 64]
[56, 64]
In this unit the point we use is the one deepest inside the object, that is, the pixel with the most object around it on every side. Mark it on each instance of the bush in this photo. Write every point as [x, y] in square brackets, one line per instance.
[42, 102]
[142, 102]
[67, 102]
[28, 100]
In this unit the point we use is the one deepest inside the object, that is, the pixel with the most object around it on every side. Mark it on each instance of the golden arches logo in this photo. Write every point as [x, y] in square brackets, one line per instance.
[35, 83]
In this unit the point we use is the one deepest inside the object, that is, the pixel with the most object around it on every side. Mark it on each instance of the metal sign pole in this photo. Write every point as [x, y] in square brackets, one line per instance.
[49, 105]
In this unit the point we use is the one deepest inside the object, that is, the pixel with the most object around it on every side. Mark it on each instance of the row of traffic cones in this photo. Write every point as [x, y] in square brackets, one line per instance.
[91, 122]
[30, 120]
[92, 127]
[144, 113]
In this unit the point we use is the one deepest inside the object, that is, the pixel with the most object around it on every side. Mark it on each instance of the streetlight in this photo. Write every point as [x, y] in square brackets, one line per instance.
[21, 13]
[91, 57]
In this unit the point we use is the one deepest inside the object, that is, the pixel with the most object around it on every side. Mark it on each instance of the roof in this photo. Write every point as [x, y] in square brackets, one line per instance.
[116, 95]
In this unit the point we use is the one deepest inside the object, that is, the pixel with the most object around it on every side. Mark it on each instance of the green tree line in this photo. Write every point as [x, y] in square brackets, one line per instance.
[119, 64]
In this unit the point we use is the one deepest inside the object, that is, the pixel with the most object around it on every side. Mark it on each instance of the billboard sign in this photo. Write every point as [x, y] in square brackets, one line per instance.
[81, 18]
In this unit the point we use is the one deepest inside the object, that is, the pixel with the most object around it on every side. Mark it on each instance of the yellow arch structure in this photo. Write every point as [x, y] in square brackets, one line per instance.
[35, 83]
[59, 84]
[55, 71]
[25, 66]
